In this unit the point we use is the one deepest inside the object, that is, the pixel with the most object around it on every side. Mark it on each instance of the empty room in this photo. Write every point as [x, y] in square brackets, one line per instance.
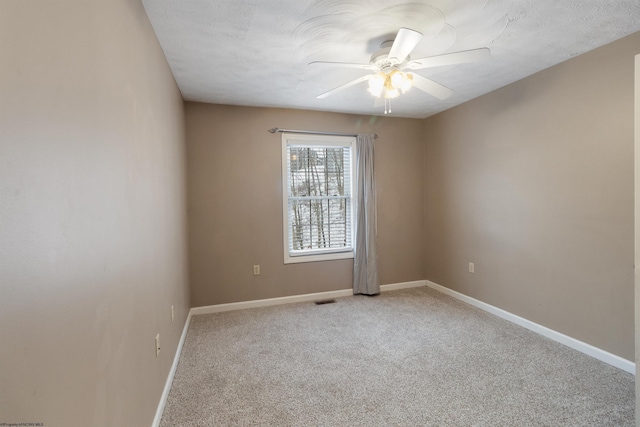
[319, 212]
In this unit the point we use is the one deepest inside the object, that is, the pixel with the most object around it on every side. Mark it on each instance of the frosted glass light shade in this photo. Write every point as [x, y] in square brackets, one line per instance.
[397, 79]
[407, 82]
[376, 84]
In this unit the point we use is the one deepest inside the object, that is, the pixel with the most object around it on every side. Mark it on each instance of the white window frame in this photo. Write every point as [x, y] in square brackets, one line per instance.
[315, 141]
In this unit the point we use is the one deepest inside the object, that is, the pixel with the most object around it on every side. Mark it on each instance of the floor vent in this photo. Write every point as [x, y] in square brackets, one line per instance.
[325, 301]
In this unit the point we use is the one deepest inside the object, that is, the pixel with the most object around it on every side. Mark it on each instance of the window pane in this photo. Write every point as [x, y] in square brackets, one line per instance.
[319, 224]
[317, 171]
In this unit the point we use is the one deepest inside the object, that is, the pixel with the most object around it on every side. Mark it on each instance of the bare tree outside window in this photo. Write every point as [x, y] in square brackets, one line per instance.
[319, 206]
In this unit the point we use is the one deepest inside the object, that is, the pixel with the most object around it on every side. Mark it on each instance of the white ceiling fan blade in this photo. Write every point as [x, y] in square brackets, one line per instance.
[342, 64]
[463, 57]
[344, 86]
[404, 43]
[431, 87]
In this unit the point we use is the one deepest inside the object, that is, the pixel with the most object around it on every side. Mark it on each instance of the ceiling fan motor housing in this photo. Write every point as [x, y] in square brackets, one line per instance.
[380, 60]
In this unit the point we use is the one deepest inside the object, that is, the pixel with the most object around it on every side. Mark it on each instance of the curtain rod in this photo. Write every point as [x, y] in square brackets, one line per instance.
[274, 130]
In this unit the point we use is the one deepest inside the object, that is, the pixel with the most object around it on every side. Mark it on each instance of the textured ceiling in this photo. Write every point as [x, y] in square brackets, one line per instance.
[256, 52]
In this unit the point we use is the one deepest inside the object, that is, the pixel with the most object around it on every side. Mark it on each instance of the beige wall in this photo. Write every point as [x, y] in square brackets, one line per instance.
[92, 214]
[534, 184]
[235, 203]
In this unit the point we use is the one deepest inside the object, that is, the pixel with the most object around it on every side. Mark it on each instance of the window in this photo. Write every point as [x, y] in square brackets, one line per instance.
[317, 197]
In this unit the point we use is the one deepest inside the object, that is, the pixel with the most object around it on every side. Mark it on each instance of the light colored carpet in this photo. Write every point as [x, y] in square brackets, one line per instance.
[412, 357]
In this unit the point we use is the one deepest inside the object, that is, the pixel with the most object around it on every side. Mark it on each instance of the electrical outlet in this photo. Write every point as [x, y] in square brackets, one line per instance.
[472, 267]
[256, 270]
[157, 345]
[173, 315]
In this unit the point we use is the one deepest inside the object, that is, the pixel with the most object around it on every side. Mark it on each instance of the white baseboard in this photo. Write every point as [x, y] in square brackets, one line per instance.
[403, 285]
[172, 372]
[219, 308]
[575, 344]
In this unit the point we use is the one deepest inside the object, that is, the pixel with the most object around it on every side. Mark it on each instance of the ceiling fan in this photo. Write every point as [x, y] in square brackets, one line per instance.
[392, 66]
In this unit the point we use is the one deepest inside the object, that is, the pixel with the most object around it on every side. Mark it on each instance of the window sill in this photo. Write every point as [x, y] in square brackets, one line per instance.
[317, 257]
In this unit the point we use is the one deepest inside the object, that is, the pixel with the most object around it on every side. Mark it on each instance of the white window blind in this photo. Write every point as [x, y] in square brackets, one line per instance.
[317, 176]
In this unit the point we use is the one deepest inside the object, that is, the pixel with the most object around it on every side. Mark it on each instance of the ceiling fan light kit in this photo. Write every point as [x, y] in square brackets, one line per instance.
[389, 65]
[389, 84]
